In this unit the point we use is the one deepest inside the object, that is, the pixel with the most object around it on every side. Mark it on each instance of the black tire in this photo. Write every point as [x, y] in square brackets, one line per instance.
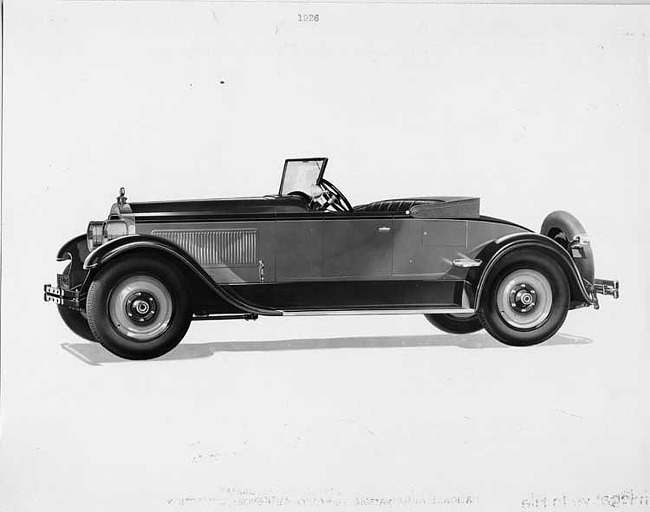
[539, 290]
[563, 227]
[138, 307]
[76, 322]
[455, 324]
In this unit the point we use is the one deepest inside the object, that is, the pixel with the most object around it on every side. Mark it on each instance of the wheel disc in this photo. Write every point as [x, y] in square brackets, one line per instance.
[140, 308]
[524, 299]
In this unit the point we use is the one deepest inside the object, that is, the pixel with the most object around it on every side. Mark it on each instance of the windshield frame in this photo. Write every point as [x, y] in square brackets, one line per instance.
[323, 160]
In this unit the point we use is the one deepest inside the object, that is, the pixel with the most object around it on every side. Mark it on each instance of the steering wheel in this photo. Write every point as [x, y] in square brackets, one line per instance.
[302, 195]
[333, 197]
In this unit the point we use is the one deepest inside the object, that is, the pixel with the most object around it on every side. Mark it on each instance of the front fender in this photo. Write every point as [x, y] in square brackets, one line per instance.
[75, 251]
[77, 248]
[503, 246]
[132, 243]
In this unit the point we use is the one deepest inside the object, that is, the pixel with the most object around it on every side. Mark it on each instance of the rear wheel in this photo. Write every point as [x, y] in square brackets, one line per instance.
[138, 308]
[461, 323]
[526, 299]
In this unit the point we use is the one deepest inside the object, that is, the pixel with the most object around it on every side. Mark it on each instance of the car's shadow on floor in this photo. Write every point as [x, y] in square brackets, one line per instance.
[95, 354]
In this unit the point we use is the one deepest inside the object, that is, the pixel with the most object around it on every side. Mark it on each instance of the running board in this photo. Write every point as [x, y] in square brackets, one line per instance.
[438, 311]
[349, 312]
[229, 316]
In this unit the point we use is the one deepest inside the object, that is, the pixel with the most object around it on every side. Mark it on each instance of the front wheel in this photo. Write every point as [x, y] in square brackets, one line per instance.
[76, 322]
[526, 299]
[461, 323]
[138, 308]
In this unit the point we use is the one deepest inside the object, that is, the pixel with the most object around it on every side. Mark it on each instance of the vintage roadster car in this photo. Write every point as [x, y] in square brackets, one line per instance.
[136, 280]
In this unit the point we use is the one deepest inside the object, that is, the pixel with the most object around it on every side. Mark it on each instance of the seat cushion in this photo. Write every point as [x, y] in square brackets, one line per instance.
[394, 205]
[426, 207]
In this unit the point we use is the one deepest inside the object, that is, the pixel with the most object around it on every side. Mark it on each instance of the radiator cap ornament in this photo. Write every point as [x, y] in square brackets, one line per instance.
[121, 199]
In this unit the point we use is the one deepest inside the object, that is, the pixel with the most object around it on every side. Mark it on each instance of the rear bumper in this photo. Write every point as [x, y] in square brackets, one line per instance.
[61, 294]
[606, 287]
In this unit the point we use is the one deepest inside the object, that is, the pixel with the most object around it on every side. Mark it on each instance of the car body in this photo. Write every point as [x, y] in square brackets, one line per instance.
[135, 280]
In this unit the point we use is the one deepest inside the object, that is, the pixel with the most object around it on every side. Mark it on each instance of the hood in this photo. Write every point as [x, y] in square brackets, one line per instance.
[211, 207]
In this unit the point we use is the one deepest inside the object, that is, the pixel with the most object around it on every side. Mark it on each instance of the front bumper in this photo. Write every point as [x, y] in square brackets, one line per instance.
[61, 294]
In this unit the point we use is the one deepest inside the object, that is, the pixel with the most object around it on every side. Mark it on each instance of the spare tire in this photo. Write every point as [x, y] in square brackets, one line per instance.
[563, 227]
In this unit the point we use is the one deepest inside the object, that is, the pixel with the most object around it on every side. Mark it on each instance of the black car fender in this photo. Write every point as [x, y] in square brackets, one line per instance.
[126, 245]
[501, 247]
[76, 248]
[75, 251]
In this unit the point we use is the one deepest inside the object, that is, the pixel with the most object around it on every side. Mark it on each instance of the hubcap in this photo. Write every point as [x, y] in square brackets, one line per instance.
[524, 299]
[140, 307]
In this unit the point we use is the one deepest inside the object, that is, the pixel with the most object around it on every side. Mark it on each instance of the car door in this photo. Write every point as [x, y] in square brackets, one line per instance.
[356, 261]
[356, 247]
[329, 262]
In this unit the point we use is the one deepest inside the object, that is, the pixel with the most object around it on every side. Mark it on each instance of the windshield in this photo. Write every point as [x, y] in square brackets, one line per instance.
[302, 175]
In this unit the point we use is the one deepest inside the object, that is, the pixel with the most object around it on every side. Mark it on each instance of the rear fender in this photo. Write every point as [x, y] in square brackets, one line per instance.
[123, 246]
[503, 246]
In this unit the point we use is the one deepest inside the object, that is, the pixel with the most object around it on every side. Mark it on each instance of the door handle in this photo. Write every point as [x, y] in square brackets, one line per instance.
[384, 229]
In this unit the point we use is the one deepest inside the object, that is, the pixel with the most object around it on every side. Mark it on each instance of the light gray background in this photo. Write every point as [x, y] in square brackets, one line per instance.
[533, 108]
